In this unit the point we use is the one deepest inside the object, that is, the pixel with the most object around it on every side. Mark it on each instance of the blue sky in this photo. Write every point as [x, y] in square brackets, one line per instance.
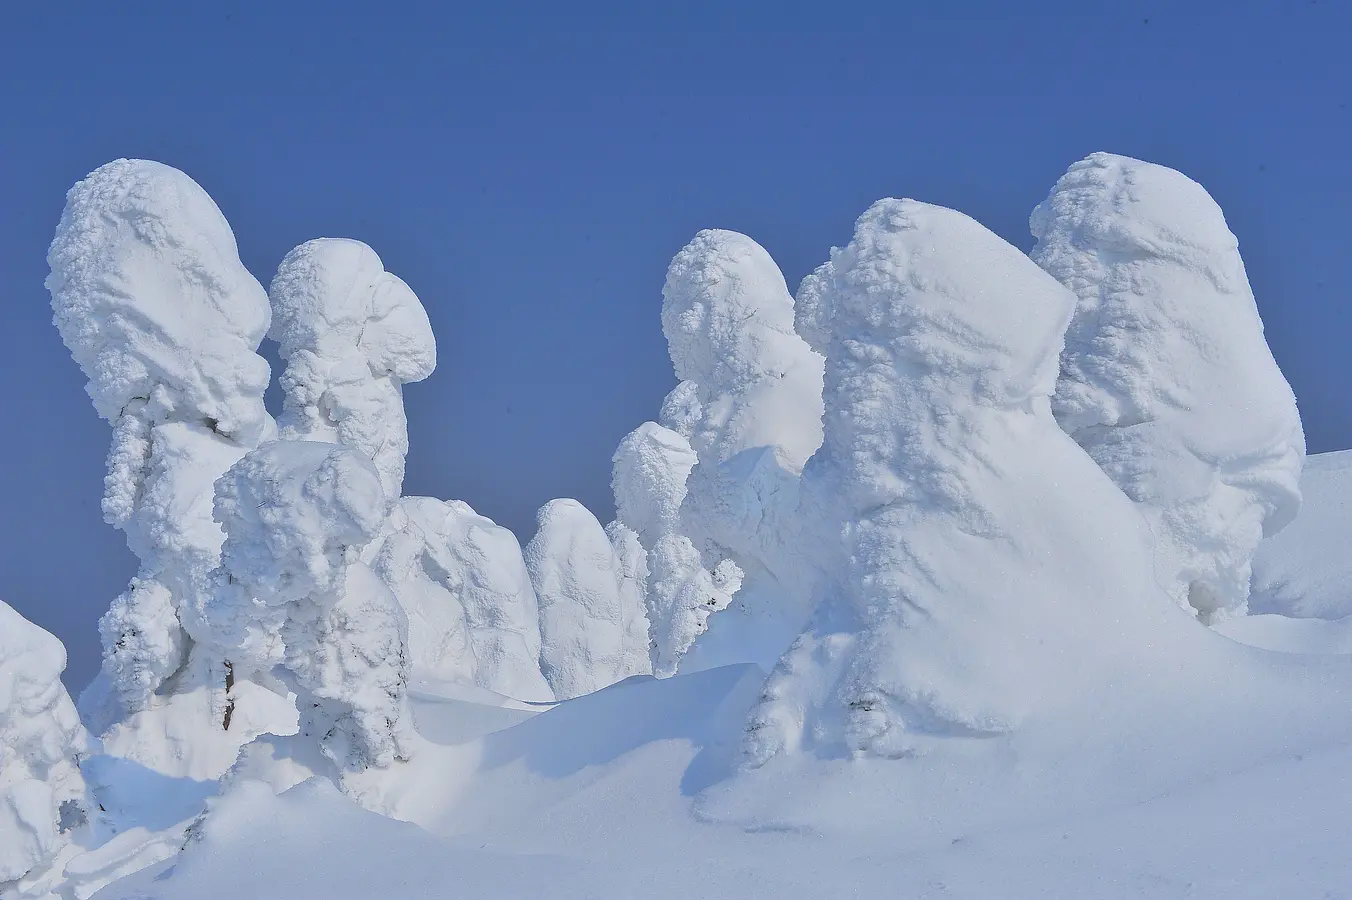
[530, 169]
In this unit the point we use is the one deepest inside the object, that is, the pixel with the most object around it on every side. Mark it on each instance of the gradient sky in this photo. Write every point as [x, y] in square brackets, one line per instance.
[530, 170]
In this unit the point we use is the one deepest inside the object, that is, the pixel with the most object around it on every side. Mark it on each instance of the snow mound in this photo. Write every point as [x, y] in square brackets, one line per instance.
[351, 335]
[42, 794]
[1304, 570]
[1166, 378]
[590, 636]
[462, 582]
[941, 449]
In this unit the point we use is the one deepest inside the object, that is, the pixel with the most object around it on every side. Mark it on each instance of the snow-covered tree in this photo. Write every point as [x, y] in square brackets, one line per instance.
[1166, 379]
[292, 595]
[985, 568]
[42, 794]
[648, 479]
[472, 611]
[351, 335]
[151, 299]
[729, 322]
[588, 638]
[748, 409]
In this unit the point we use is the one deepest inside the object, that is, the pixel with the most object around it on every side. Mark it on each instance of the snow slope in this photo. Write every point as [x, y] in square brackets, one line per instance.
[1306, 569]
[601, 798]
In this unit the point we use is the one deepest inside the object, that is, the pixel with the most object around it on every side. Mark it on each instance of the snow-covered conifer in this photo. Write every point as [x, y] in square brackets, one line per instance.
[472, 611]
[291, 592]
[587, 636]
[42, 794]
[986, 570]
[1166, 379]
[154, 304]
[351, 335]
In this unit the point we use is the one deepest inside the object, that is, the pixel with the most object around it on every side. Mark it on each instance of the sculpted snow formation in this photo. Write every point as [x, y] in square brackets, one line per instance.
[164, 320]
[942, 344]
[1166, 379]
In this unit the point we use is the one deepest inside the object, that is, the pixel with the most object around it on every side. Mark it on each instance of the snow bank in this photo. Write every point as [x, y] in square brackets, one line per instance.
[1166, 379]
[940, 449]
[588, 635]
[291, 591]
[463, 584]
[151, 299]
[1305, 571]
[42, 794]
[352, 335]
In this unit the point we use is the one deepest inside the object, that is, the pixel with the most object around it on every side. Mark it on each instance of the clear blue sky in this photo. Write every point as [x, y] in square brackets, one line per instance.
[530, 170]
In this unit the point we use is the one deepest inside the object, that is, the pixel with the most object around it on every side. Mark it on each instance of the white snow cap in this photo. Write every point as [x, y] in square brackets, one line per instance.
[291, 589]
[728, 319]
[351, 334]
[42, 794]
[463, 584]
[1166, 379]
[152, 300]
[940, 449]
[588, 637]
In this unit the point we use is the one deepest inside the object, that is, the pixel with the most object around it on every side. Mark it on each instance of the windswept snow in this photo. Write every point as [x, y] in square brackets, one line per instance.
[1166, 378]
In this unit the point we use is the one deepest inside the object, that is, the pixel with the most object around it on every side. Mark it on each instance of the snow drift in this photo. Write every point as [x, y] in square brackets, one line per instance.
[1166, 379]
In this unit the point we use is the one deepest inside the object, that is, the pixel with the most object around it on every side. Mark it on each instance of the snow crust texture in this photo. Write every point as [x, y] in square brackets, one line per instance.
[1166, 379]
[352, 335]
[593, 632]
[151, 299]
[42, 793]
[940, 449]
[462, 582]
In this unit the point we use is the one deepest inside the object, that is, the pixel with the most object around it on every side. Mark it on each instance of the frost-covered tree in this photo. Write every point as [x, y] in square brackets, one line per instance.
[1166, 378]
[985, 569]
[755, 405]
[42, 794]
[648, 479]
[151, 299]
[351, 335]
[729, 322]
[589, 639]
[292, 596]
[462, 582]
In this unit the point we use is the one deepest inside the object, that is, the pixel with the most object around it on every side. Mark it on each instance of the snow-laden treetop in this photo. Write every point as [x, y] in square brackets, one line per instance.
[152, 300]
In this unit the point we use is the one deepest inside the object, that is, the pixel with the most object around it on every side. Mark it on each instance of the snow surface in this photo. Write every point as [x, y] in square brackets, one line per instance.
[1166, 379]
[1306, 569]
